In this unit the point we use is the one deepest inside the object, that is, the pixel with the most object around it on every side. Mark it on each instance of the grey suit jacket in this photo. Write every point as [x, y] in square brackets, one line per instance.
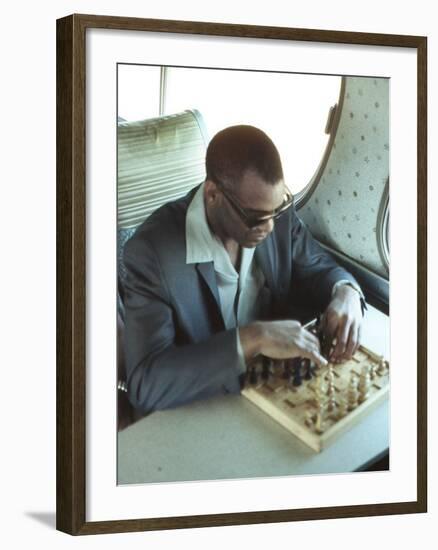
[176, 346]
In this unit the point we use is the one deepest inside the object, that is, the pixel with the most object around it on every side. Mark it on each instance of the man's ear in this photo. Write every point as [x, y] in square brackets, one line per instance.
[210, 192]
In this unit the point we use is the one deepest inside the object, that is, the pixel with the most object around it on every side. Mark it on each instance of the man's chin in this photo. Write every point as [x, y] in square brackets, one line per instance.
[252, 243]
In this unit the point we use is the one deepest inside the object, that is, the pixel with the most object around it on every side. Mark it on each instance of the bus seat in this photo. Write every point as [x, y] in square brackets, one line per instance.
[159, 160]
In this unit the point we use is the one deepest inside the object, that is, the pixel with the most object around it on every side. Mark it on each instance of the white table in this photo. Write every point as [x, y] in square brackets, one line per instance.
[227, 437]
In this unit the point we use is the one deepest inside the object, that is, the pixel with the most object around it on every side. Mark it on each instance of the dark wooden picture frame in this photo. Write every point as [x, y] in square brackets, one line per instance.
[71, 273]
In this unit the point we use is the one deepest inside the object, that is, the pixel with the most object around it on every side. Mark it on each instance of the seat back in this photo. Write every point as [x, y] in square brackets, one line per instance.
[159, 160]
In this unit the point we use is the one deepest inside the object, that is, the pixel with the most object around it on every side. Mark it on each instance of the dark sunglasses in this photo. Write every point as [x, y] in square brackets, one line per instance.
[249, 219]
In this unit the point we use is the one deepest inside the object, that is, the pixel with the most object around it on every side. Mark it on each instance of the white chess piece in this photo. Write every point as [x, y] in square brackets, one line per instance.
[352, 393]
[364, 384]
[342, 410]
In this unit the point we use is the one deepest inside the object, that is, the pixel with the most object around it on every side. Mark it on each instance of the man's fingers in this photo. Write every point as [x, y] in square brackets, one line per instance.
[341, 340]
[352, 341]
[341, 328]
[359, 336]
[330, 330]
[316, 357]
[310, 348]
[329, 326]
[310, 338]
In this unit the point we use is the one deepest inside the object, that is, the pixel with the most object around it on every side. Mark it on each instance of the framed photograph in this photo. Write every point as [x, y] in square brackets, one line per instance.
[138, 103]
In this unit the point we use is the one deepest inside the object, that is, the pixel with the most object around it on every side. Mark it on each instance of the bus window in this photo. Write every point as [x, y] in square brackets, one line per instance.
[291, 108]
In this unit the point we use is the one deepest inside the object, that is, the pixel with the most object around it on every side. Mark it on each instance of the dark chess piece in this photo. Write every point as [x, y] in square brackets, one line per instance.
[296, 372]
[253, 378]
[307, 367]
[286, 370]
[266, 368]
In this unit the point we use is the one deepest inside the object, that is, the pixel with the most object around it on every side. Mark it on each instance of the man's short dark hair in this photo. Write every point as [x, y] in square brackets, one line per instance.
[237, 149]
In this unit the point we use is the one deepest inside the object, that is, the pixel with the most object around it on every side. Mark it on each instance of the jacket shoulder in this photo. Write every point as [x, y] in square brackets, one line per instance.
[163, 230]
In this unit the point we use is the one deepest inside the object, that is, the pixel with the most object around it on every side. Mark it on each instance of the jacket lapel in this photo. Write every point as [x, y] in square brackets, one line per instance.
[267, 261]
[206, 271]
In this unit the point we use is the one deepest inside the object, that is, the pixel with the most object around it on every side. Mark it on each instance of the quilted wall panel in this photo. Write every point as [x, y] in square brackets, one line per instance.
[345, 209]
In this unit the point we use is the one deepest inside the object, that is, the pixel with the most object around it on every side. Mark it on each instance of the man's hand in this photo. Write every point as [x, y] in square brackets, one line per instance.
[280, 340]
[341, 323]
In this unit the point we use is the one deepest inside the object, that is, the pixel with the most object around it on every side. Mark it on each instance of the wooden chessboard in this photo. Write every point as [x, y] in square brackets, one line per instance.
[335, 399]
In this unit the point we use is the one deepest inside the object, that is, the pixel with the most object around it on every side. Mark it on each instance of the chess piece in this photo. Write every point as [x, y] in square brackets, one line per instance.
[321, 386]
[318, 388]
[331, 404]
[381, 369]
[342, 410]
[352, 393]
[330, 377]
[315, 386]
[309, 419]
[286, 370]
[253, 378]
[319, 424]
[364, 384]
[307, 366]
[266, 363]
[373, 371]
[319, 404]
[314, 369]
[296, 372]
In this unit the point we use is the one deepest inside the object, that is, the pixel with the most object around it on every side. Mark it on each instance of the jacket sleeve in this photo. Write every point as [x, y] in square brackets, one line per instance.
[315, 272]
[160, 373]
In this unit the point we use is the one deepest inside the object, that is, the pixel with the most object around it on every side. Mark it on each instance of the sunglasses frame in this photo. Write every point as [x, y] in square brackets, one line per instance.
[253, 221]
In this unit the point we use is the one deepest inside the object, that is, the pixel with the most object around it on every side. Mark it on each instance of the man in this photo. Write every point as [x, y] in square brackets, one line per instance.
[212, 279]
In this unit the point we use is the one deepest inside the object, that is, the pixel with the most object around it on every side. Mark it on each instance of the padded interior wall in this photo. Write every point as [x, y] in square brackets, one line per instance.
[345, 208]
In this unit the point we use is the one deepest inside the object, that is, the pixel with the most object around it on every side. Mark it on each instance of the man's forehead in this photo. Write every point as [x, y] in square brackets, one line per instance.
[256, 194]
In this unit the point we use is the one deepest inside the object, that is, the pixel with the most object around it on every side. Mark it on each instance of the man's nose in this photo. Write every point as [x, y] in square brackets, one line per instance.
[268, 226]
